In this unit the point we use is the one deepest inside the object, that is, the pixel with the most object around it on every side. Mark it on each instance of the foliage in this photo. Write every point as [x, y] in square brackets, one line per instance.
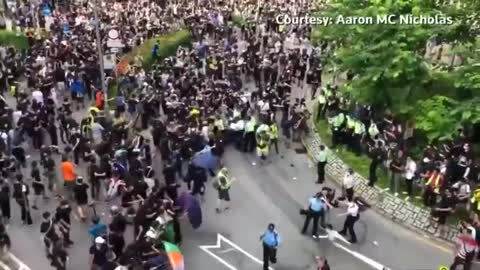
[387, 61]
[168, 45]
[15, 39]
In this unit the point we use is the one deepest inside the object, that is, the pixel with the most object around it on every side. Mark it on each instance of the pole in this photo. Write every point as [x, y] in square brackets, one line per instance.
[104, 87]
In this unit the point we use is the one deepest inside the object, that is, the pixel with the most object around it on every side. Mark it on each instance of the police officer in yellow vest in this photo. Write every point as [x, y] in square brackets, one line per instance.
[348, 132]
[262, 144]
[475, 201]
[357, 137]
[274, 135]
[337, 128]
[322, 104]
[249, 135]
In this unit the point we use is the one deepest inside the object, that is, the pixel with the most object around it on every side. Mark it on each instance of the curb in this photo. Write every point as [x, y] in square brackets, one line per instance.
[382, 212]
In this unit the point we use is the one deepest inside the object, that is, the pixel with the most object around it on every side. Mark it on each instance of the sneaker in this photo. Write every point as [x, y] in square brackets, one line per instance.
[34, 207]
[407, 198]
[217, 210]
[404, 192]
[396, 194]
[314, 236]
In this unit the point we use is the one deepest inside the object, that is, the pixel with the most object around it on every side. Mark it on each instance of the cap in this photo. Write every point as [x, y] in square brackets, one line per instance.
[99, 240]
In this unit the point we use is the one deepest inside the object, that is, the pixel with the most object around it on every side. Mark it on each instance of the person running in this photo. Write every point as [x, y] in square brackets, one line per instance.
[270, 241]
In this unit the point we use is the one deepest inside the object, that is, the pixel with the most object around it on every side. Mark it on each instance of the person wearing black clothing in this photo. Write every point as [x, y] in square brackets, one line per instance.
[20, 194]
[4, 201]
[76, 140]
[116, 242]
[80, 193]
[59, 256]
[5, 242]
[170, 180]
[48, 228]
[196, 179]
[377, 156]
[37, 184]
[62, 219]
[119, 222]
[98, 254]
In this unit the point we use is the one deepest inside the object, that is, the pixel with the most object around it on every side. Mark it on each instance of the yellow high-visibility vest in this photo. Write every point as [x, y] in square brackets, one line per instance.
[321, 99]
[359, 128]
[274, 131]
[350, 122]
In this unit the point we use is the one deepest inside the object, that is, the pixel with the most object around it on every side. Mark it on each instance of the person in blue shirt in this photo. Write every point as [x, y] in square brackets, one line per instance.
[97, 229]
[316, 210]
[270, 240]
[78, 92]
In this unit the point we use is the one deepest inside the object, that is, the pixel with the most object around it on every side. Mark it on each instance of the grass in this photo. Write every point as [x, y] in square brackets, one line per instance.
[168, 45]
[360, 164]
[16, 39]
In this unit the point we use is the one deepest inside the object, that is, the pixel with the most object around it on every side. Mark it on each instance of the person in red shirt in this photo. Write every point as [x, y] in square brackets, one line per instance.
[466, 246]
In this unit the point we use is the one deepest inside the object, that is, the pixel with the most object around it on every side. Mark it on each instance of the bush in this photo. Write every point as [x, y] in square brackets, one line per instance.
[168, 45]
[16, 39]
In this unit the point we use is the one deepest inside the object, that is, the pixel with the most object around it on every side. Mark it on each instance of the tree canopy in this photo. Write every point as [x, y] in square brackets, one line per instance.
[388, 64]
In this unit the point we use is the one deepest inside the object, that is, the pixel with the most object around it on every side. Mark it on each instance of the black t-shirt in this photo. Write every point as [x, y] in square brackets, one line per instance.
[118, 224]
[47, 228]
[63, 214]
[397, 163]
[81, 192]
[99, 254]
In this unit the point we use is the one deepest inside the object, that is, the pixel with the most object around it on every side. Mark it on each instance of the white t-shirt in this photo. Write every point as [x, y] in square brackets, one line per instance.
[348, 181]
[38, 96]
[352, 209]
[411, 168]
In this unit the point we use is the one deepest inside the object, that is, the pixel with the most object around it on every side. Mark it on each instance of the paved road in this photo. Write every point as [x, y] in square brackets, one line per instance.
[263, 193]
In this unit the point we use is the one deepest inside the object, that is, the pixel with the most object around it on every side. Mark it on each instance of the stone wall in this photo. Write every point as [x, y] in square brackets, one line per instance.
[400, 211]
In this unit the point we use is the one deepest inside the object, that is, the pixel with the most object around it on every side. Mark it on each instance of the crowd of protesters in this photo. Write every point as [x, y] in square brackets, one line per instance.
[233, 86]
[200, 99]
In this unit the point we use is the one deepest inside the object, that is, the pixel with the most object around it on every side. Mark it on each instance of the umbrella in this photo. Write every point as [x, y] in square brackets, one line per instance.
[191, 206]
[174, 255]
[206, 159]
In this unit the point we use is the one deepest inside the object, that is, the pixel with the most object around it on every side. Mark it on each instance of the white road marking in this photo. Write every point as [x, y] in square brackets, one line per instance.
[226, 250]
[21, 265]
[220, 239]
[4, 266]
[376, 265]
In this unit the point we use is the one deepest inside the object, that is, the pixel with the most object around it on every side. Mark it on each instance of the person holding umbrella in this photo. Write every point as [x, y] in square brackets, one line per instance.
[270, 240]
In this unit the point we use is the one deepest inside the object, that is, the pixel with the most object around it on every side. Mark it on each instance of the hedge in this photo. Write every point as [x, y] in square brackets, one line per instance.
[168, 45]
[16, 39]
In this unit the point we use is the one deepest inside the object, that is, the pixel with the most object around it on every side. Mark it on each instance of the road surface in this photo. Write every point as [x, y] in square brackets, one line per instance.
[262, 194]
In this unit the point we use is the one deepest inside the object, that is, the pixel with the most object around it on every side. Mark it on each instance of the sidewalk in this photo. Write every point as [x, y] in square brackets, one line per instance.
[404, 213]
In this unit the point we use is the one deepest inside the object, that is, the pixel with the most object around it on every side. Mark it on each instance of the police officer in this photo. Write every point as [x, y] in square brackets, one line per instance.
[321, 163]
[316, 210]
[274, 135]
[352, 216]
[249, 135]
[270, 240]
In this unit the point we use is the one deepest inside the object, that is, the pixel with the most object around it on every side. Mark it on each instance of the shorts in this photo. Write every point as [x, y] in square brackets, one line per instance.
[224, 195]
